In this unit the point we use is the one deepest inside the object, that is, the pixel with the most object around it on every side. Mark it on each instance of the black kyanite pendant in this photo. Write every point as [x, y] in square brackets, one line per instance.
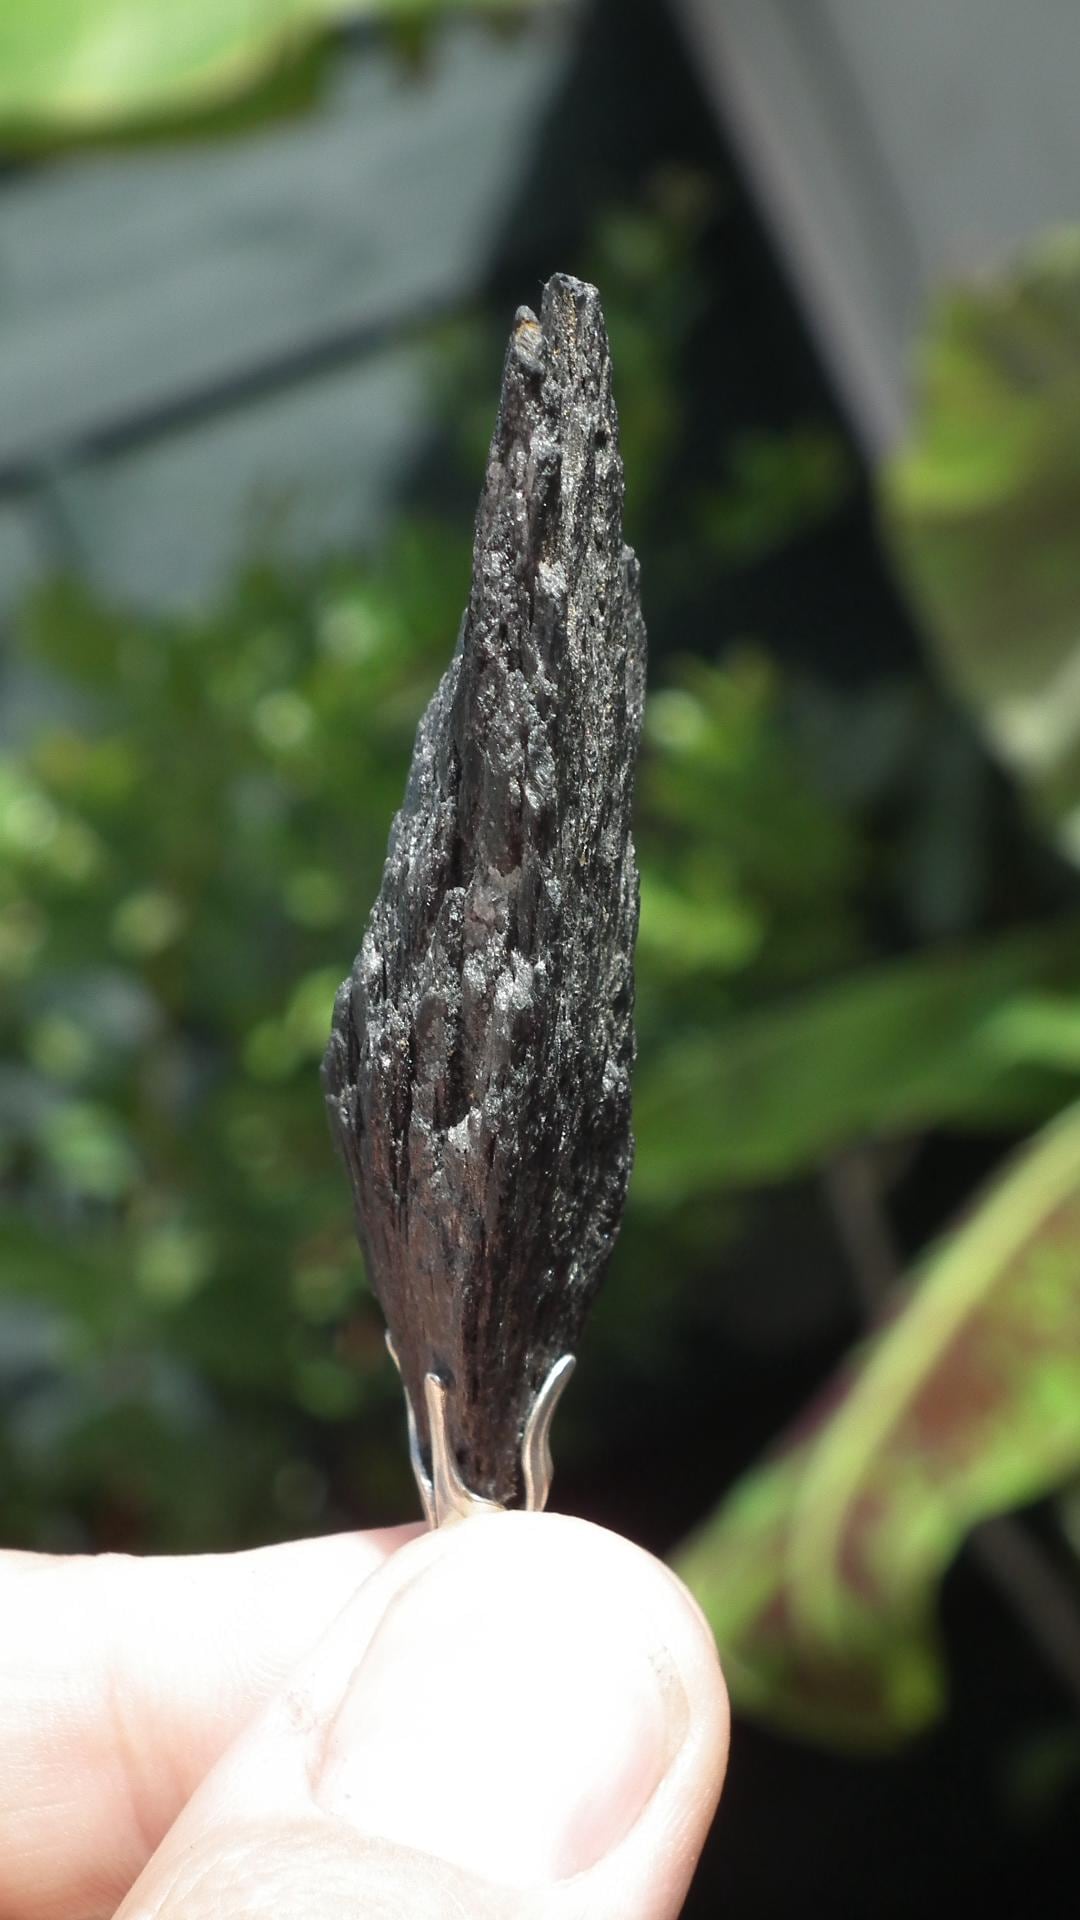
[478, 1070]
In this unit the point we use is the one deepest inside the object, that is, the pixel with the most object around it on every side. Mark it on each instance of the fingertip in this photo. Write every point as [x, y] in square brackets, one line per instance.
[645, 1874]
[530, 1687]
[525, 1704]
[614, 1578]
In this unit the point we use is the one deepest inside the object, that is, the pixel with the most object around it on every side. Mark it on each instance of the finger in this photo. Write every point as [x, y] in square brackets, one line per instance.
[122, 1680]
[519, 1716]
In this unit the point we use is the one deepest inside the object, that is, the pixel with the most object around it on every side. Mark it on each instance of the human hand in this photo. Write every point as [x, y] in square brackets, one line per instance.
[519, 1716]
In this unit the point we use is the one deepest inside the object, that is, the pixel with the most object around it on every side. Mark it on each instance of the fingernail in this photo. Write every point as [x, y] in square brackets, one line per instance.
[506, 1717]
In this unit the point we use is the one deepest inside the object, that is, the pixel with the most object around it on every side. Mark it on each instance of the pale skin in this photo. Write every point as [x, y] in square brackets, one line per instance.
[519, 1716]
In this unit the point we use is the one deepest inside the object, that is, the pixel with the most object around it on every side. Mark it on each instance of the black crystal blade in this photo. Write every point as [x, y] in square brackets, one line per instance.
[478, 1070]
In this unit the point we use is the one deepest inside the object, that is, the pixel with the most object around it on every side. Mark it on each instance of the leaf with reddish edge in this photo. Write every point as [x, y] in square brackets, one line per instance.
[819, 1572]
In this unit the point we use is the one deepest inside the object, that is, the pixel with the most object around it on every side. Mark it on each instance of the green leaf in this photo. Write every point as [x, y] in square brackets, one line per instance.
[983, 508]
[86, 66]
[890, 1050]
[1043, 1027]
[819, 1572]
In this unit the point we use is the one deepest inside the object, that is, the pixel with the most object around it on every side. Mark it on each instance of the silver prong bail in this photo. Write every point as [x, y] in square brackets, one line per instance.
[536, 1462]
[443, 1494]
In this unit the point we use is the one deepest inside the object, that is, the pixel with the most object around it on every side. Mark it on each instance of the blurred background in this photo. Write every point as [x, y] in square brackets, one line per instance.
[258, 263]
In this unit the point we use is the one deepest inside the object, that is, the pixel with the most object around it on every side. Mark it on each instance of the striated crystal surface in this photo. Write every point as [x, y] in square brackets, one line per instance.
[478, 1069]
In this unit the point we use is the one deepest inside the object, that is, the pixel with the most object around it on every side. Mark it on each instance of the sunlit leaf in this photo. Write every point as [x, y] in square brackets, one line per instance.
[81, 66]
[820, 1571]
[1042, 1027]
[983, 507]
[887, 1051]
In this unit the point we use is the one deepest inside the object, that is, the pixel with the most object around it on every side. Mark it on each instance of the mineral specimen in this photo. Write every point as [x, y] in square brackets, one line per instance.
[478, 1070]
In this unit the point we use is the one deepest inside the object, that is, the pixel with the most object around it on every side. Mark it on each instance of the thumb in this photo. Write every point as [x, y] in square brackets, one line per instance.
[519, 1716]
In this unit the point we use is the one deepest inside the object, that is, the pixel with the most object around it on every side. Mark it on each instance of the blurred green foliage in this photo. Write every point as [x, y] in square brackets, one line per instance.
[820, 1572]
[837, 948]
[186, 857]
[77, 69]
[983, 507]
[188, 849]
